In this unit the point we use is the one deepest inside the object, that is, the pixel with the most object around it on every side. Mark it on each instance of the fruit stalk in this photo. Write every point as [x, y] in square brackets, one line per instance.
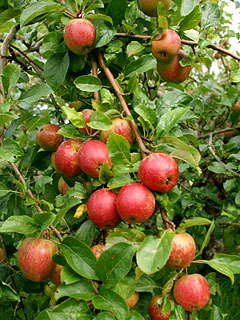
[168, 224]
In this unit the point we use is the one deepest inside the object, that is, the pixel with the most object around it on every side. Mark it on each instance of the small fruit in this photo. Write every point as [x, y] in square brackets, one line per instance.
[63, 187]
[236, 106]
[192, 292]
[102, 209]
[66, 158]
[183, 251]
[55, 275]
[76, 105]
[87, 113]
[91, 156]
[132, 301]
[35, 258]
[79, 36]
[159, 172]
[166, 45]
[149, 7]
[155, 310]
[121, 127]
[48, 138]
[97, 249]
[135, 203]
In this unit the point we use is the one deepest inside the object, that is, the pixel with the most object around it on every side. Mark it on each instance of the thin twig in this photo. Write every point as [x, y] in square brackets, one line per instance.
[218, 131]
[168, 224]
[234, 224]
[95, 289]
[189, 315]
[95, 74]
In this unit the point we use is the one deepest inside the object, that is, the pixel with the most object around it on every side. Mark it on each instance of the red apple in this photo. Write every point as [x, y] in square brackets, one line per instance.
[183, 251]
[91, 156]
[87, 113]
[66, 158]
[97, 249]
[35, 258]
[132, 301]
[192, 292]
[63, 187]
[135, 203]
[159, 172]
[155, 310]
[55, 275]
[166, 45]
[48, 138]
[102, 209]
[121, 127]
[79, 36]
[53, 160]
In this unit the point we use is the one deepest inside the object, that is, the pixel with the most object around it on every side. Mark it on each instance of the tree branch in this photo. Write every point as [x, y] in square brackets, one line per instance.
[95, 74]
[218, 131]
[168, 224]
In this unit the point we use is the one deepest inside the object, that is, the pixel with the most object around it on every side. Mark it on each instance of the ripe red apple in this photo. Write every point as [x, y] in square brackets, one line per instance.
[149, 7]
[183, 251]
[135, 203]
[48, 138]
[87, 113]
[63, 187]
[159, 172]
[79, 36]
[35, 258]
[53, 160]
[66, 158]
[155, 310]
[102, 209]
[192, 292]
[97, 249]
[121, 127]
[55, 275]
[166, 45]
[91, 156]
[132, 301]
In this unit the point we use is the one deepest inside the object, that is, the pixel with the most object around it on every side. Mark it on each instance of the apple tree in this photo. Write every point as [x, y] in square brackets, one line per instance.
[119, 160]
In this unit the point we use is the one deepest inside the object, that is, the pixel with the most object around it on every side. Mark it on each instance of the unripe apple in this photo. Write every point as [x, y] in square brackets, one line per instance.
[102, 209]
[48, 138]
[55, 275]
[66, 158]
[121, 127]
[63, 187]
[35, 258]
[166, 45]
[135, 203]
[91, 156]
[149, 7]
[87, 113]
[192, 292]
[155, 310]
[97, 249]
[132, 301]
[183, 251]
[159, 172]
[79, 36]
[76, 105]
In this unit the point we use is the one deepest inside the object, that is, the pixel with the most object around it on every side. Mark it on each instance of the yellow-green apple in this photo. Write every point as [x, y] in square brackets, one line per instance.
[66, 158]
[79, 36]
[166, 45]
[121, 127]
[132, 301]
[63, 187]
[87, 113]
[55, 275]
[48, 138]
[91, 156]
[159, 172]
[155, 310]
[183, 251]
[102, 209]
[135, 203]
[97, 249]
[192, 292]
[35, 258]
[149, 7]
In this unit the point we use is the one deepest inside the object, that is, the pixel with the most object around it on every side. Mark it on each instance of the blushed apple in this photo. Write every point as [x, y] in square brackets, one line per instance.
[63, 187]
[55, 275]
[121, 127]
[149, 7]
[133, 300]
[87, 113]
[155, 310]
[48, 138]
[166, 45]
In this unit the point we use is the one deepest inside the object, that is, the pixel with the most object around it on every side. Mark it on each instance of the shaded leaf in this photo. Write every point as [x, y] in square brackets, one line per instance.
[19, 224]
[143, 64]
[88, 83]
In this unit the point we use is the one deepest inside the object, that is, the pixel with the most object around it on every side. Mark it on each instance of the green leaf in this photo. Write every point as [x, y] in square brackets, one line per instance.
[191, 20]
[41, 182]
[10, 75]
[210, 15]
[37, 121]
[8, 293]
[134, 47]
[187, 6]
[116, 10]
[44, 219]
[217, 167]
[68, 276]
[11, 150]
[36, 92]
[70, 310]
[115, 263]
[222, 268]
[19, 224]
[105, 173]
[4, 190]
[216, 313]
[99, 16]
[88, 83]
[8, 15]
[104, 34]
[5, 117]
[104, 316]
[110, 301]
[75, 117]
[148, 115]
[195, 221]
[233, 262]
[132, 235]
[81, 290]
[79, 257]
[153, 254]
[55, 69]
[100, 121]
[134, 315]
[237, 199]
[146, 284]
[207, 238]
[143, 64]
[86, 232]
[119, 181]
[35, 11]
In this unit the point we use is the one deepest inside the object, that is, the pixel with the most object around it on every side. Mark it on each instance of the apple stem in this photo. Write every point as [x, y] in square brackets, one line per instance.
[168, 224]
[189, 315]
[95, 289]
[95, 74]
[123, 103]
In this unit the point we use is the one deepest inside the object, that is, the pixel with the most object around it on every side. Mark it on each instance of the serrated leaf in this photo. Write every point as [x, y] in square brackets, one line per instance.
[143, 64]
[100, 121]
[19, 224]
[169, 119]
[3, 189]
[41, 182]
[8, 293]
[44, 219]
[55, 69]
[88, 83]
[86, 232]
[148, 114]
[36, 92]
[206, 239]
[5, 117]
[191, 20]
[104, 34]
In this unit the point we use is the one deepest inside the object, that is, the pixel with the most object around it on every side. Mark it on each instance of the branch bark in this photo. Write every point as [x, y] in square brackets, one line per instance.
[95, 74]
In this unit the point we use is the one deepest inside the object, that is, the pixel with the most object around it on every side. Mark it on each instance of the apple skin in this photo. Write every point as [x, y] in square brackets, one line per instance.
[121, 127]
[183, 251]
[102, 209]
[133, 300]
[135, 203]
[91, 156]
[166, 45]
[66, 158]
[63, 187]
[47, 137]
[149, 7]
[2, 256]
[236, 106]
[97, 249]
[159, 172]
[76, 105]
[172, 71]
[87, 113]
[35, 258]
[155, 311]
[192, 292]
[79, 36]
[55, 275]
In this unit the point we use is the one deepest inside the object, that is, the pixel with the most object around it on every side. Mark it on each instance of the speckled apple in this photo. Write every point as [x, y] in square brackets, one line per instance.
[166, 45]
[155, 310]
[121, 127]
[55, 275]
[159, 172]
[87, 113]
[48, 138]
[192, 292]
[135, 203]
[79, 36]
[102, 209]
